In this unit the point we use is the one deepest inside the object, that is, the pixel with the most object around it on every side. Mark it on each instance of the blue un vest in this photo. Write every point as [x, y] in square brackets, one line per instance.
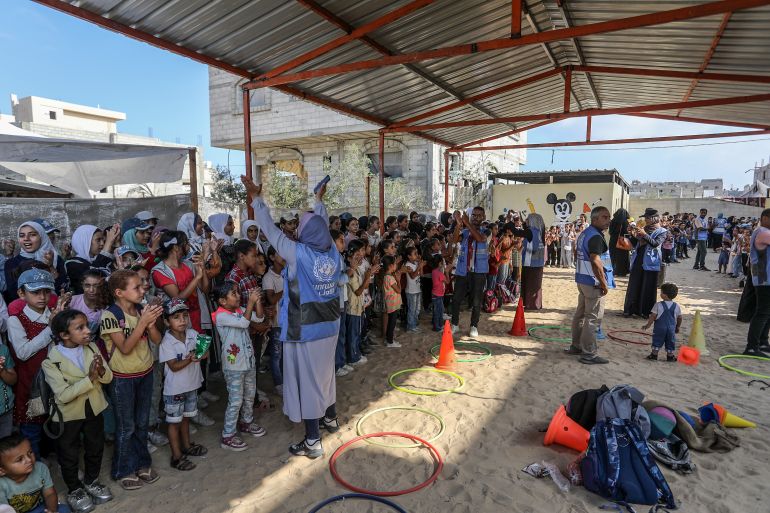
[652, 256]
[704, 234]
[310, 307]
[533, 253]
[584, 273]
[480, 255]
[760, 265]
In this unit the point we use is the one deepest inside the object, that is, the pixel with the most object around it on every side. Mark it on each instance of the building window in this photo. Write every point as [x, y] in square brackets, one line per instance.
[52, 114]
[394, 164]
[258, 99]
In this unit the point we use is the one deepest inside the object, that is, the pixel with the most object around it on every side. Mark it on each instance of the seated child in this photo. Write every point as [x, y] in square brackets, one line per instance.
[26, 484]
[75, 371]
[667, 317]
[183, 378]
[239, 364]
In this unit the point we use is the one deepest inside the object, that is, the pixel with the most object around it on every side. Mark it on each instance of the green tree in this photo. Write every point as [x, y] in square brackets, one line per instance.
[227, 188]
[286, 190]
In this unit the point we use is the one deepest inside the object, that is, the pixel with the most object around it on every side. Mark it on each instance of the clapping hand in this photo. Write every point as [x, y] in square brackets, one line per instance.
[150, 314]
[63, 302]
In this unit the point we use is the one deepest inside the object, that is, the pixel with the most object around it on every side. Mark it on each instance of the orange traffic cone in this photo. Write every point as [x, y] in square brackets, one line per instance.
[519, 327]
[565, 431]
[446, 355]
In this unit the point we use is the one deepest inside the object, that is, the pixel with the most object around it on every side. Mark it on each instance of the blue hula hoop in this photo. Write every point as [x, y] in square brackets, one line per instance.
[363, 496]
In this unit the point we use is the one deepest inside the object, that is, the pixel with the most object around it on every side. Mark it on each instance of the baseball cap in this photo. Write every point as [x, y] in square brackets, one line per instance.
[36, 279]
[122, 250]
[47, 226]
[135, 223]
[146, 215]
[175, 305]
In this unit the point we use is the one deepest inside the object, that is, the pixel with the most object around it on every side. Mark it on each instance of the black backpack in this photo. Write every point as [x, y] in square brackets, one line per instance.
[42, 402]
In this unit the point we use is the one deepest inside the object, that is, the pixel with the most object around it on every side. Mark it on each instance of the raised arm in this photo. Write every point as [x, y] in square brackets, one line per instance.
[285, 247]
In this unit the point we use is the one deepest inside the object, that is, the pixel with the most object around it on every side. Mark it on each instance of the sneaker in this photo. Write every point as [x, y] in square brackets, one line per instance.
[349, 368]
[98, 492]
[474, 332]
[447, 317]
[573, 351]
[233, 443]
[203, 420]
[704, 268]
[202, 403]
[157, 438]
[414, 330]
[303, 448]
[756, 352]
[212, 398]
[455, 328]
[279, 389]
[393, 344]
[252, 429]
[151, 448]
[652, 356]
[342, 371]
[80, 501]
[764, 348]
[670, 357]
[596, 360]
[361, 361]
[330, 425]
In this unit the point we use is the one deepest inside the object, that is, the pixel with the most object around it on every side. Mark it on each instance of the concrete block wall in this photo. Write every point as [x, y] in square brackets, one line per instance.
[678, 205]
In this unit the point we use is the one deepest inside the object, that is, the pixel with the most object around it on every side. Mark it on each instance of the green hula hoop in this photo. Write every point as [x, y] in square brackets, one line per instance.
[531, 332]
[743, 372]
[426, 392]
[487, 352]
[442, 426]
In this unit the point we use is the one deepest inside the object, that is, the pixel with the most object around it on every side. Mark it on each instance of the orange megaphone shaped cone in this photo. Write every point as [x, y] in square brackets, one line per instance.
[519, 327]
[446, 355]
[564, 431]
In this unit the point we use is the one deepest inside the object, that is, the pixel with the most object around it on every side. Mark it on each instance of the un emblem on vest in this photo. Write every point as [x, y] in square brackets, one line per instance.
[324, 268]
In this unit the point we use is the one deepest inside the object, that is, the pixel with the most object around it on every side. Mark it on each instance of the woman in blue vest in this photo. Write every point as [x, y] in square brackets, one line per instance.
[641, 294]
[532, 262]
[309, 317]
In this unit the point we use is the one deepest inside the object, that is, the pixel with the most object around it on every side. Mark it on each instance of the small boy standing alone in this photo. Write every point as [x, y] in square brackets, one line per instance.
[440, 277]
[667, 317]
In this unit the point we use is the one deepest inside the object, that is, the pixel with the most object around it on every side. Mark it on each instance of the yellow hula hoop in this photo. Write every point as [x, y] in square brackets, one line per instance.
[442, 426]
[425, 392]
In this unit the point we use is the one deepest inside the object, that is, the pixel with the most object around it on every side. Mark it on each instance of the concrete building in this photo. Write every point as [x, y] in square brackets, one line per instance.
[707, 188]
[64, 120]
[294, 136]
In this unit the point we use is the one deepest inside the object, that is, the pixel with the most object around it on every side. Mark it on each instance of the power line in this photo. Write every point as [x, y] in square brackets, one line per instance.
[653, 147]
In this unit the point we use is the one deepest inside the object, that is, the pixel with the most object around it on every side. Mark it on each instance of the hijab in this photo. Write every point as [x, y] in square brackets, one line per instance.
[81, 241]
[129, 239]
[217, 223]
[621, 215]
[245, 229]
[536, 221]
[313, 231]
[187, 225]
[45, 244]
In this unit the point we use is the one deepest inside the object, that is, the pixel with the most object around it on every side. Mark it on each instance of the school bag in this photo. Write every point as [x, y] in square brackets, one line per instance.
[581, 407]
[624, 402]
[41, 402]
[121, 318]
[503, 294]
[618, 466]
[673, 452]
[490, 301]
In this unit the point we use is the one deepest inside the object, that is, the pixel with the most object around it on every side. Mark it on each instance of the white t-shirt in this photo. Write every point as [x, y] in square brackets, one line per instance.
[187, 379]
[412, 284]
[75, 355]
[658, 309]
[273, 281]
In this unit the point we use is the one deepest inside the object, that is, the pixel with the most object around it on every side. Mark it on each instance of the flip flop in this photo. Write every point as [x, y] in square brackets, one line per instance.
[130, 483]
[148, 475]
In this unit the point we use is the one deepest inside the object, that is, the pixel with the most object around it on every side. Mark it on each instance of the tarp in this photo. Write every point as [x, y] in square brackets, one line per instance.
[80, 167]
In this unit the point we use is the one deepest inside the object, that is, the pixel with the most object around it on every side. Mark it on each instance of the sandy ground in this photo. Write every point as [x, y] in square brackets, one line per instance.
[492, 426]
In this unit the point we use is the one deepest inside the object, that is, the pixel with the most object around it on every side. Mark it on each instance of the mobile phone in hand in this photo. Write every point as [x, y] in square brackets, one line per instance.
[320, 184]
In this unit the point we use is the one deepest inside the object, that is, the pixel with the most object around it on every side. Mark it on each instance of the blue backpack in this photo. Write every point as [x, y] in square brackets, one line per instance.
[619, 467]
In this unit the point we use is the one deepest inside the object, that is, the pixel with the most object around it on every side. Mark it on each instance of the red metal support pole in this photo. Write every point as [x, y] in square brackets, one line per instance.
[446, 181]
[567, 86]
[193, 164]
[247, 146]
[381, 177]
[368, 194]
[588, 128]
[619, 141]
[515, 19]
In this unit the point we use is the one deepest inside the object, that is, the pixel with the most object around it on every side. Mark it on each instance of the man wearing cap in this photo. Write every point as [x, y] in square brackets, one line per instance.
[148, 217]
[701, 233]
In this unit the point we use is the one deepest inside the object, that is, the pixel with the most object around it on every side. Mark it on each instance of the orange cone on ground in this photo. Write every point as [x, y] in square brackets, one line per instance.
[519, 327]
[564, 431]
[446, 355]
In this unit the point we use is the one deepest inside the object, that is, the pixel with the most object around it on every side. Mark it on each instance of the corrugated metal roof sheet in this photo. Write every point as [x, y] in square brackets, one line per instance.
[260, 35]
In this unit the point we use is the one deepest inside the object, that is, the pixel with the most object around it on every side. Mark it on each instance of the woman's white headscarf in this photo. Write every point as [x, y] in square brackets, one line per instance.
[245, 229]
[45, 244]
[81, 241]
[187, 225]
[217, 223]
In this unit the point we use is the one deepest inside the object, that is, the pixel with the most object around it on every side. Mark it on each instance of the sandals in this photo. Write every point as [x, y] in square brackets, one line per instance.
[130, 483]
[148, 475]
[182, 464]
[194, 450]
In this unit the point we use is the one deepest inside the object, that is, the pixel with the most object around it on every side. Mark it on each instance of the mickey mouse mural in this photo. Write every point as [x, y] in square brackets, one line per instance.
[562, 208]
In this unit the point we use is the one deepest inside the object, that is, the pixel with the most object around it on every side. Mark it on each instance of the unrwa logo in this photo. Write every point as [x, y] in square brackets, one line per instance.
[324, 268]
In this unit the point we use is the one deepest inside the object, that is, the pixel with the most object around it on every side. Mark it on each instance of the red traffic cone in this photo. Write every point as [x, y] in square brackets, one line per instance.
[446, 355]
[564, 431]
[519, 327]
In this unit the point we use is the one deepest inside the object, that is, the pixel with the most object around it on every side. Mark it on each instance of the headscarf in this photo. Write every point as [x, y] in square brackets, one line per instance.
[81, 241]
[129, 239]
[217, 223]
[45, 244]
[314, 232]
[245, 229]
[187, 224]
[621, 215]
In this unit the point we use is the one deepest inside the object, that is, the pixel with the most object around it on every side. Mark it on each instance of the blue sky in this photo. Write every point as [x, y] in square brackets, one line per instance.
[46, 53]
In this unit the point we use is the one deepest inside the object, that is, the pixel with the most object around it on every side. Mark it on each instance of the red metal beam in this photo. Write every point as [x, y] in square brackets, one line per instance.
[515, 19]
[619, 141]
[381, 180]
[588, 128]
[700, 120]
[587, 112]
[645, 20]
[693, 75]
[709, 55]
[482, 96]
[248, 171]
[567, 86]
[355, 34]
[446, 181]
[505, 134]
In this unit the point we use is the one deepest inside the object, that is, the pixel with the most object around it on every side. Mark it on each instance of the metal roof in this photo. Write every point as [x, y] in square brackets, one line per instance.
[563, 176]
[253, 37]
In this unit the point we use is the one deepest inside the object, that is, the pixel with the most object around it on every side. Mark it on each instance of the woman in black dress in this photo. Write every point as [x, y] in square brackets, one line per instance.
[619, 228]
[641, 294]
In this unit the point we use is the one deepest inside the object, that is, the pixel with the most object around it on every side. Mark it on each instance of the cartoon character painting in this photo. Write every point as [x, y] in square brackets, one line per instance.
[562, 208]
